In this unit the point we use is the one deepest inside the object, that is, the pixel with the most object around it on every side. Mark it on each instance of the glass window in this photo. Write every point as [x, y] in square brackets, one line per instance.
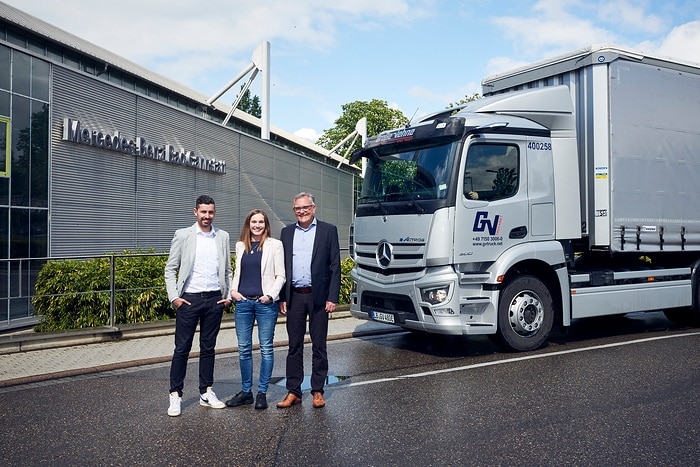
[17, 38]
[4, 194]
[129, 82]
[71, 59]
[54, 52]
[39, 138]
[5, 145]
[4, 68]
[21, 73]
[115, 77]
[21, 151]
[4, 234]
[40, 79]
[421, 173]
[35, 45]
[491, 172]
[4, 104]
[89, 67]
[19, 233]
[38, 233]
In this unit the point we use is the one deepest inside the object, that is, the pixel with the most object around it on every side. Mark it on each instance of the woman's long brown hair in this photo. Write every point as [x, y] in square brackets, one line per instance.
[245, 231]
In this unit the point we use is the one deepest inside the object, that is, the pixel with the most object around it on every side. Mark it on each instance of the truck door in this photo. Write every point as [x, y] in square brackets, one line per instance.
[492, 210]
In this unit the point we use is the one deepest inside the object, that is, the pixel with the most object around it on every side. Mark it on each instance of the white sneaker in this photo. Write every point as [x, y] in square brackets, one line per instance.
[175, 400]
[209, 399]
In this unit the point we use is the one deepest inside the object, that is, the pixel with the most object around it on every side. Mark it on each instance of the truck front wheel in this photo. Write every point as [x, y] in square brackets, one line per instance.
[525, 314]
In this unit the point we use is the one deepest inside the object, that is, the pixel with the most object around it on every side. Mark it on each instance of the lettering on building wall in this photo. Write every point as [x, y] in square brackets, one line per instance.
[74, 132]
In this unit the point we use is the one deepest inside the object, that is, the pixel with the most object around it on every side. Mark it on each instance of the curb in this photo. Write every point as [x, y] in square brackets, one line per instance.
[27, 341]
[168, 358]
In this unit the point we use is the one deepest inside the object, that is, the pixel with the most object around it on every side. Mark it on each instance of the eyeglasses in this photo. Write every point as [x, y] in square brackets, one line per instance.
[304, 208]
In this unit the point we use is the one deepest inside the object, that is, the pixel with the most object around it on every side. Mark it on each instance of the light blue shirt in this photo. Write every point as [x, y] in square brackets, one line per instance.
[301, 254]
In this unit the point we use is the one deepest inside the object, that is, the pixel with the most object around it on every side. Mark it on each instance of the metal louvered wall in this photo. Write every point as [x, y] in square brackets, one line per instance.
[106, 201]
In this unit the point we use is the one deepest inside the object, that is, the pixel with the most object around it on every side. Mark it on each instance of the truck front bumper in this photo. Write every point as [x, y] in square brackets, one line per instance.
[468, 310]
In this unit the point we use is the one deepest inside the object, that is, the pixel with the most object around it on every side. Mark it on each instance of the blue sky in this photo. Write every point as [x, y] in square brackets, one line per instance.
[419, 56]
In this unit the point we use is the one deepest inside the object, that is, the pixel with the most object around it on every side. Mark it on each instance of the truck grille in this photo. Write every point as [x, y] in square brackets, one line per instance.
[406, 258]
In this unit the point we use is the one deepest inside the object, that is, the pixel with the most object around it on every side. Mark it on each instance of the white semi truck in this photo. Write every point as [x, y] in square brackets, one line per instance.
[570, 190]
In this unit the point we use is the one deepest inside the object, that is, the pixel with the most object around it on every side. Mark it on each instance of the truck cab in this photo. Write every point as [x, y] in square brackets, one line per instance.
[447, 206]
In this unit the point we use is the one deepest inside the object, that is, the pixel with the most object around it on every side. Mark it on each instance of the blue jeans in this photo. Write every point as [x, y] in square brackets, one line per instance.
[247, 312]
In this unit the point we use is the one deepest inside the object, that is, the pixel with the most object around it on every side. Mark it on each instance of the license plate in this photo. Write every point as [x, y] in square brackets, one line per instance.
[383, 317]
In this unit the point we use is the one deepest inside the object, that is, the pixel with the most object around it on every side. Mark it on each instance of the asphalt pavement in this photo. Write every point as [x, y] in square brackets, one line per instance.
[28, 356]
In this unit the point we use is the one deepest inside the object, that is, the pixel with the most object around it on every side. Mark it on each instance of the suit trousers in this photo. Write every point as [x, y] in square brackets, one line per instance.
[207, 313]
[301, 306]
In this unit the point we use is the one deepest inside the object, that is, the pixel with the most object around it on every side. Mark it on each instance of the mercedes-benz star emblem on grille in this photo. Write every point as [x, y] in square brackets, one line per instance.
[384, 254]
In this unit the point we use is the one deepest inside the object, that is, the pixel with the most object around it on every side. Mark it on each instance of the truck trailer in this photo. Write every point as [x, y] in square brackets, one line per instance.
[571, 189]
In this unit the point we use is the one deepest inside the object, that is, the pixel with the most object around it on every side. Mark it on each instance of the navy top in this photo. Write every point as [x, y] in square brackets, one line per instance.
[251, 279]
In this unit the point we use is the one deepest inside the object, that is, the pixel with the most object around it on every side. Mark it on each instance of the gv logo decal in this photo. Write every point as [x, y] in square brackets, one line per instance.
[482, 223]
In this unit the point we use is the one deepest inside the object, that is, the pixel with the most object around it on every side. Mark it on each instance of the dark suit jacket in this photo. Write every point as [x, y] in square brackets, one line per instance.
[325, 263]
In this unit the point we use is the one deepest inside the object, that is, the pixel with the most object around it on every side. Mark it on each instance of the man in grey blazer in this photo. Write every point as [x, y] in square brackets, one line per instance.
[198, 280]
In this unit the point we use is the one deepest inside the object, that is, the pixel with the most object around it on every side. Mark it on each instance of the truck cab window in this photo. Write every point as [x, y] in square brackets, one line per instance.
[418, 174]
[491, 172]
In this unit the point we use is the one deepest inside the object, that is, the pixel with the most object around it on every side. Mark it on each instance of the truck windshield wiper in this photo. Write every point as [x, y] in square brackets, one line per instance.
[415, 202]
[374, 202]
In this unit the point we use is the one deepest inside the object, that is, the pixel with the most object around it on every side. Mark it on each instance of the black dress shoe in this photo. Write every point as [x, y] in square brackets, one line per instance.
[261, 401]
[241, 398]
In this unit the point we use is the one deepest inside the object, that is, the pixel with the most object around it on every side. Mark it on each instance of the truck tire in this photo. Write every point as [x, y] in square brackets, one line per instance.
[525, 314]
[683, 316]
[687, 315]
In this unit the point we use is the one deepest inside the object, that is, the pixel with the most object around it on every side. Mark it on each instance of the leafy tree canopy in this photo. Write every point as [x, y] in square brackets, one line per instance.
[466, 99]
[380, 117]
[250, 105]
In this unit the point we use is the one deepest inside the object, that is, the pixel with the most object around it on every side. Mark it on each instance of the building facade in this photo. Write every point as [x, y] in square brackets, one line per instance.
[99, 155]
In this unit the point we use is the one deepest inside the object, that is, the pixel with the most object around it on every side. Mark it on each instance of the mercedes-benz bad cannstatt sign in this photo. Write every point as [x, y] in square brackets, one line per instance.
[75, 133]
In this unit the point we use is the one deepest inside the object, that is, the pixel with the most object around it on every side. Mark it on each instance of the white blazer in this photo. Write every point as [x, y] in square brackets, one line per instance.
[271, 267]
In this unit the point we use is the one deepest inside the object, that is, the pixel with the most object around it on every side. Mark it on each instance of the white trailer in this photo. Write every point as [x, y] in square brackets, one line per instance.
[571, 190]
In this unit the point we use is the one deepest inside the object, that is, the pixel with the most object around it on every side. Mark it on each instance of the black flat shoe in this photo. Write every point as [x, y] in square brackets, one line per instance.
[242, 398]
[261, 401]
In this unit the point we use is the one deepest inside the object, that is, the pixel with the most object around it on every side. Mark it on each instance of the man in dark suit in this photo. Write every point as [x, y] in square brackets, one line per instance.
[312, 266]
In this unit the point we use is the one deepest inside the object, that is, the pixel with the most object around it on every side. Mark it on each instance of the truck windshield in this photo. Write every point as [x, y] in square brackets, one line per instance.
[421, 173]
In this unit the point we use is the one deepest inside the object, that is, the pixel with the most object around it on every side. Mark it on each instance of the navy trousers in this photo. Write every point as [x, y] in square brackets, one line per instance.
[207, 313]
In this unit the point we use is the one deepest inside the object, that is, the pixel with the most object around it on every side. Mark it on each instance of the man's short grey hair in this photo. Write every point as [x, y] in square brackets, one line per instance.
[304, 194]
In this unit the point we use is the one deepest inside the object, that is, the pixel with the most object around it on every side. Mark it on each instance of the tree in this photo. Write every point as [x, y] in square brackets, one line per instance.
[466, 99]
[250, 105]
[380, 117]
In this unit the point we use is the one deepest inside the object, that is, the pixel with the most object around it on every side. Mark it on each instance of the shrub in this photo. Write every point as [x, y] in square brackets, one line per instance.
[346, 266]
[72, 294]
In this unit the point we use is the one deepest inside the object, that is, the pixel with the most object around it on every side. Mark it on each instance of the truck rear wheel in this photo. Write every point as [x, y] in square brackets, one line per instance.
[525, 314]
[683, 316]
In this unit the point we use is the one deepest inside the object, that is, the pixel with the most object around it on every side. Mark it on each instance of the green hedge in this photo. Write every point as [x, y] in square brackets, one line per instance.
[72, 294]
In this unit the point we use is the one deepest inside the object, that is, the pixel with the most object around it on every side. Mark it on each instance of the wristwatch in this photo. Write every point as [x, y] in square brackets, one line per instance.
[270, 297]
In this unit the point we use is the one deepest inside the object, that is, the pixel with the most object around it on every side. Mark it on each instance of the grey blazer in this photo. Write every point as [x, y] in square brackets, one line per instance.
[181, 260]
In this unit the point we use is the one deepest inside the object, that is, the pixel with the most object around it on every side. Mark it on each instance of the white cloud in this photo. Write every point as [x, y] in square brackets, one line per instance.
[501, 64]
[629, 16]
[550, 33]
[683, 42]
[308, 133]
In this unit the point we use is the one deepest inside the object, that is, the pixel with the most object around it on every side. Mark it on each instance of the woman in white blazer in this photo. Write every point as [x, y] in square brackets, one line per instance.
[257, 281]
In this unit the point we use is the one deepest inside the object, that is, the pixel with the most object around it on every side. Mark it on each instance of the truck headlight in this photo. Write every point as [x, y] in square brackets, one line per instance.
[435, 295]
